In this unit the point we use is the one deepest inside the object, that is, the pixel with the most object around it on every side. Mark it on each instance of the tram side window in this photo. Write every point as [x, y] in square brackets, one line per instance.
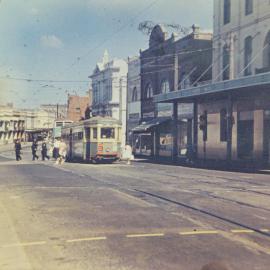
[75, 136]
[94, 133]
[80, 135]
[87, 133]
[107, 133]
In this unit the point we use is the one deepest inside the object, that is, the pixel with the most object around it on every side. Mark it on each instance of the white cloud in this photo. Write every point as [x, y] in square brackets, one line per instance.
[34, 11]
[51, 41]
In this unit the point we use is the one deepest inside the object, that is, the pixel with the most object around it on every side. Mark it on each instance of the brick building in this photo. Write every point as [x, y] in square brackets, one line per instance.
[169, 64]
[77, 106]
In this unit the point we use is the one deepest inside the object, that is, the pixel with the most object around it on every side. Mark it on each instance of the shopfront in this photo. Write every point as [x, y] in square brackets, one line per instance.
[231, 120]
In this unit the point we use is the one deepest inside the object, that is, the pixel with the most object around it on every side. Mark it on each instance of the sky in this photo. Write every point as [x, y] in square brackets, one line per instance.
[49, 48]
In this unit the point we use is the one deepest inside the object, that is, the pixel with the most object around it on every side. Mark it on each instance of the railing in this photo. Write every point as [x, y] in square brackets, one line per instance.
[262, 70]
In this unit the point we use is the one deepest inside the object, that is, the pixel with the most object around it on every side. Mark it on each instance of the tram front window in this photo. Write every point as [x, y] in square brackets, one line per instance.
[107, 133]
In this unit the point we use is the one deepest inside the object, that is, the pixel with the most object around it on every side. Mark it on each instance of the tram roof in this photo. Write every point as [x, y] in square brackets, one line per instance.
[94, 121]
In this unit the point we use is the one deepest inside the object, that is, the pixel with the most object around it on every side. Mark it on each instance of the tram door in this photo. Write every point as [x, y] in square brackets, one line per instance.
[70, 143]
[87, 143]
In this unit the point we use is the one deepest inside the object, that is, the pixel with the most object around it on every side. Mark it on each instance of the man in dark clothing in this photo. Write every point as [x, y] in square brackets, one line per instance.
[44, 151]
[18, 149]
[34, 150]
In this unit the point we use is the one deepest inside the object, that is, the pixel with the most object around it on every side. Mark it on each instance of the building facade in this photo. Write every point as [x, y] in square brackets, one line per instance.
[241, 38]
[109, 84]
[170, 64]
[133, 96]
[76, 107]
[232, 114]
[241, 49]
[12, 124]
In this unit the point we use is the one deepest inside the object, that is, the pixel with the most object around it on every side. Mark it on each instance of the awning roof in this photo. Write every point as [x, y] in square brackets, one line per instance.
[145, 126]
[189, 94]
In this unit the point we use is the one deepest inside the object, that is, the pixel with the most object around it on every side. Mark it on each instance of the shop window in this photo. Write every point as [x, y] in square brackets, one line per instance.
[249, 7]
[223, 125]
[226, 63]
[227, 11]
[248, 56]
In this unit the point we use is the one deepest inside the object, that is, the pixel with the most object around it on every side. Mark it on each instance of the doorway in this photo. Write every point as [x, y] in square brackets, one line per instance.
[245, 135]
[266, 137]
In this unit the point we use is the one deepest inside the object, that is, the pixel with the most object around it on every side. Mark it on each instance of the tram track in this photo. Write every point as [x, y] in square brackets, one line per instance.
[143, 194]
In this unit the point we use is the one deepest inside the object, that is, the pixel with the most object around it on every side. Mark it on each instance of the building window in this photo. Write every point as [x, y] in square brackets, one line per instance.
[149, 91]
[223, 125]
[226, 63]
[227, 11]
[165, 86]
[249, 7]
[266, 52]
[248, 56]
[134, 94]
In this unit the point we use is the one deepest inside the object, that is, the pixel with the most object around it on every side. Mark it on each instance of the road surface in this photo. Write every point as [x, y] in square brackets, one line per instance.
[141, 216]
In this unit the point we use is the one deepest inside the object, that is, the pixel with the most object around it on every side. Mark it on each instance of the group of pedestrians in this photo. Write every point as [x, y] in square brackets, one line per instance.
[59, 151]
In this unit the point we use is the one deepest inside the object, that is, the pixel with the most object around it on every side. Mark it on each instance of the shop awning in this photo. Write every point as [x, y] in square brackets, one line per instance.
[146, 126]
[253, 82]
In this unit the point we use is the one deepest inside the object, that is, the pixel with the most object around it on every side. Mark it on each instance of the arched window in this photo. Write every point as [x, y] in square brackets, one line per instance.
[148, 91]
[134, 94]
[226, 63]
[248, 56]
[266, 52]
[227, 11]
[165, 86]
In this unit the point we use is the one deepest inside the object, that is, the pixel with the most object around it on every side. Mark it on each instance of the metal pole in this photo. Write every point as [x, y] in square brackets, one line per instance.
[175, 131]
[195, 128]
[229, 128]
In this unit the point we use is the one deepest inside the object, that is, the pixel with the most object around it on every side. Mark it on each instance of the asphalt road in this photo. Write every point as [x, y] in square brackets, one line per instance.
[141, 217]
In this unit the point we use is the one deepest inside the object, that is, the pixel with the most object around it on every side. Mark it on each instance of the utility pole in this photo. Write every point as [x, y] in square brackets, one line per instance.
[175, 113]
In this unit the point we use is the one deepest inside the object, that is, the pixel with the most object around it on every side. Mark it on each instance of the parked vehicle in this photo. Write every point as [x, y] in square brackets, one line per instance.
[96, 139]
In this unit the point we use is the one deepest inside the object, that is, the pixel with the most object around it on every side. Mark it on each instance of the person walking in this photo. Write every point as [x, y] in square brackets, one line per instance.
[18, 149]
[34, 150]
[62, 152]
[56, 149]
[44, 151]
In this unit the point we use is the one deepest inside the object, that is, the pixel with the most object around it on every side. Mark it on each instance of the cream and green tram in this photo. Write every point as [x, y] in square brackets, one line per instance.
[96, 139]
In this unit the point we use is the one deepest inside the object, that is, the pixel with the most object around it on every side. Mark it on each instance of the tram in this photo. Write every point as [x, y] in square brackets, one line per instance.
[96, 139]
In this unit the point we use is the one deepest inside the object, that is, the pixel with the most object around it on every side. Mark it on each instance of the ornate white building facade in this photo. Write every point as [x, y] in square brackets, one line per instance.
[109, 84]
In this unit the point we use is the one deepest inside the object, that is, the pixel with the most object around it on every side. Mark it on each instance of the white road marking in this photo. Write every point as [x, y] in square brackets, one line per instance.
[144, 235]
[198, 232]
[242, 231]
[86, 239]
[27, 244]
